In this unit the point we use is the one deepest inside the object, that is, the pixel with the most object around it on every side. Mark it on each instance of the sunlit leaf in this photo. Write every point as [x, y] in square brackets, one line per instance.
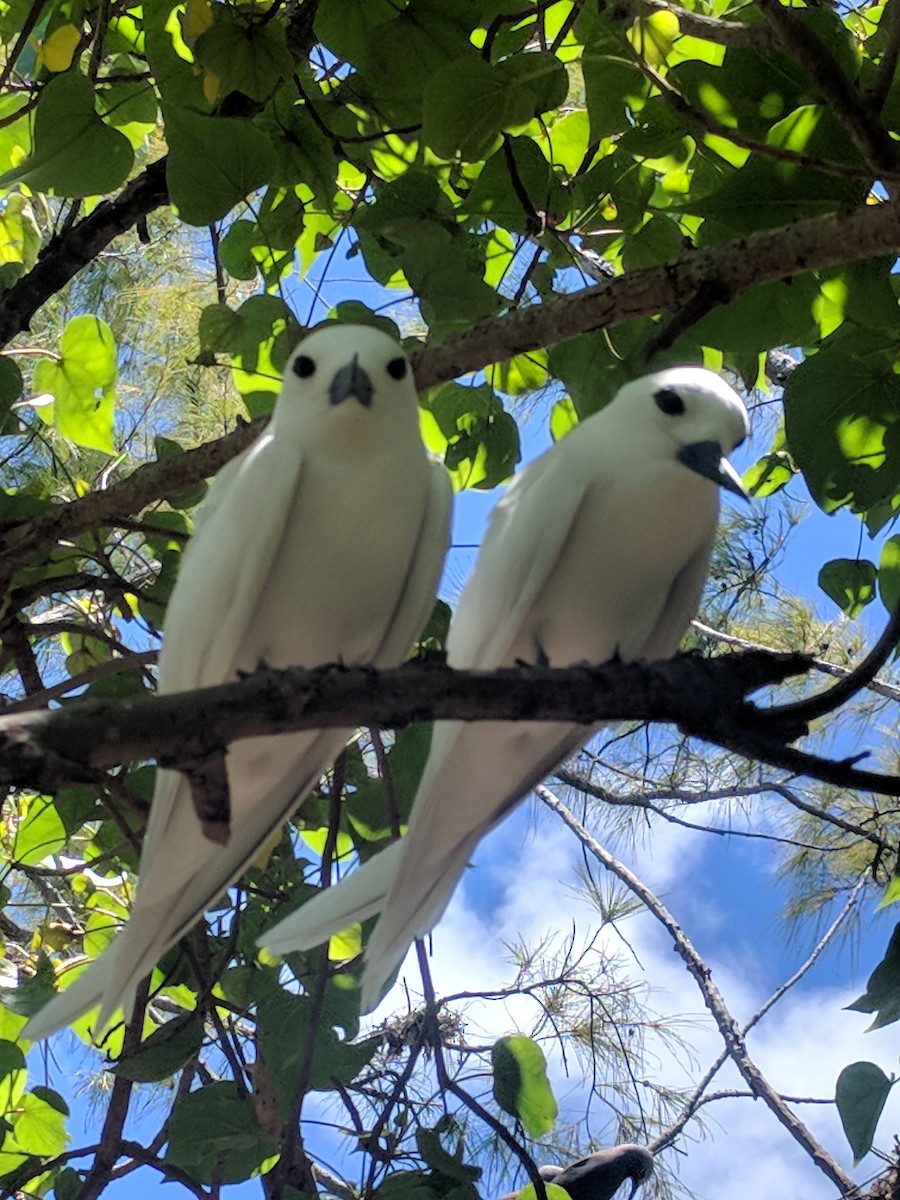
[521, 1086]
[75, 153]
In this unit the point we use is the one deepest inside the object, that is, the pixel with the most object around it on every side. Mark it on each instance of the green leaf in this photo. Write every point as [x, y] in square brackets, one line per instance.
[367, 807]
[407, 1185]
[12, 1060]
[769, 474]
[441, 1161]
[248, 55]
[75, 153]
[165, 1051]
[553, 1190]
[83, 383]
[751, 90]
[891, 892]
[849, 582]
[882, 994]
[841, 421]
[521, 1086]
[889, 573]
[304, 153]
[347, 27]
[563, 418]
[589, 371]
[860, 1094]
[658, 240]
[42, 832]
[771, 314]
[283, 1031]
[768, 192]
[479, 440]
[467, 104]
[11, 384]
[497, 194]
[213, 163]
[219, 329]
[613, 88]
[129, 103]
[52, 1097]
[536, 82]
[236, 250]
[40, 1127]
[68, 1184]
[214, 1135]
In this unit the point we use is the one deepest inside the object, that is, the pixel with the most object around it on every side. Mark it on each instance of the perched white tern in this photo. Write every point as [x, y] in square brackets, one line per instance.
[600, 1175]
[600, 547]
[322, 541]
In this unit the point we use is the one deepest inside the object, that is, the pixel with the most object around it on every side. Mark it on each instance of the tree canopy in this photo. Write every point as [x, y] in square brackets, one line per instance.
[545, 200]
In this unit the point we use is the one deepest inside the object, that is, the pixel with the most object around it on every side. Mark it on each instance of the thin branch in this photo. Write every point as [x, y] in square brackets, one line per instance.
[879, 686]
[712, 997]
[697, 1098]
[168, 1170]
[120, 1099]
[31, 19]
[711, 29]
[860, 677]
[115, 666]
[706, 124]
[802, 44]
[447, 1084]
[647, 799]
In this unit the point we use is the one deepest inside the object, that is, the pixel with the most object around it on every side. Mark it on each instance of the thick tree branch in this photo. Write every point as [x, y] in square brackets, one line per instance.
[706, 698]
[710, 29]
[65, 255]
[730, 268]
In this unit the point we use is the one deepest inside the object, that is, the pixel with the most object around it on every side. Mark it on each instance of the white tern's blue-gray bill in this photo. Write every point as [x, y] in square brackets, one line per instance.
[600, 547]
[322, 541]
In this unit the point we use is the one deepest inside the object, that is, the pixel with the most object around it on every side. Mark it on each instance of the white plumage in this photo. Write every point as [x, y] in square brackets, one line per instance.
[322, 541]
[600, 547]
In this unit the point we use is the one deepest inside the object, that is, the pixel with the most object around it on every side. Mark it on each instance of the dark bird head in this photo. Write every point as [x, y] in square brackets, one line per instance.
[600, 1175]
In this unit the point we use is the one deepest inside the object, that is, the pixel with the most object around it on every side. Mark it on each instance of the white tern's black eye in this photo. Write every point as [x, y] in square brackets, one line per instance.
[304, 366]
[668, 401]
[397, 368]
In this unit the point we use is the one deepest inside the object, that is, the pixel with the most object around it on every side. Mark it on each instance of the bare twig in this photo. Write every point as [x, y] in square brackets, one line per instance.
[712, 997]
[448, 1084]
[699, 1096]
[860, 677]
[879, 686]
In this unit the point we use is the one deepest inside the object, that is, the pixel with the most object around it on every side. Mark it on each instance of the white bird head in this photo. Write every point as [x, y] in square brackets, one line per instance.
[693, 412]
[346, 374]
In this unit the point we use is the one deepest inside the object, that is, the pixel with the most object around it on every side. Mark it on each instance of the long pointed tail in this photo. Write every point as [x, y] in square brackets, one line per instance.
[359, 895]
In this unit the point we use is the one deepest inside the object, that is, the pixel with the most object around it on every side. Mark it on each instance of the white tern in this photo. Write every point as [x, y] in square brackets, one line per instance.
[600, 1175]
[600, 547]
[322, 541]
